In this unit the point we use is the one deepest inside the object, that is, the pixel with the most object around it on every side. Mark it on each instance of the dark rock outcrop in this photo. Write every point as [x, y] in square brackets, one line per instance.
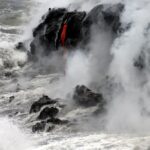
[47, 36]
[104, 16]
[45, 100]
[20, 46]
[39, 127]
[48, 113]
[86, 98]
[48, 116]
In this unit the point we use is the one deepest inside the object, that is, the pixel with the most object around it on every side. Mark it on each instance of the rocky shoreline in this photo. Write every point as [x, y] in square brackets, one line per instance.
[48, 109]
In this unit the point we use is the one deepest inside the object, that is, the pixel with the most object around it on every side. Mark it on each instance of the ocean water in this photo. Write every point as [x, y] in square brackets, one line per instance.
[126, 126]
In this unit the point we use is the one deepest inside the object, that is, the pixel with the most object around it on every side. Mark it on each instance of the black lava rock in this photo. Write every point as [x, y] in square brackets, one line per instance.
[48, 113]
[45, 100]
[47, 35]
[140, 61]
[85, 97]
[20, 46]
[39, 127]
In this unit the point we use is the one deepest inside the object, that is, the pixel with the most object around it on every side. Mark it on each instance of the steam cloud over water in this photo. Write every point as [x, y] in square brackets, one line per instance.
[129, 109]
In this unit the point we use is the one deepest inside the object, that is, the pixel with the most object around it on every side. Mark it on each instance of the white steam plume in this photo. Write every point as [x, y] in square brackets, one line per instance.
[129, 109]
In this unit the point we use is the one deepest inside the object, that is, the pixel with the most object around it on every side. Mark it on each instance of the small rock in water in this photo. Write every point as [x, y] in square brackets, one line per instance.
[11, 98]
[85, 97]
[8, 74]
[140, 62]
[39, 127]
[48, 113]
[57, 121]
[20, 45]
[45, 100]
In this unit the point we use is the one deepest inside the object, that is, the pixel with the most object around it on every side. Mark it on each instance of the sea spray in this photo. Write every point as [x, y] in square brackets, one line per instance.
[129, 108]
[12, 137]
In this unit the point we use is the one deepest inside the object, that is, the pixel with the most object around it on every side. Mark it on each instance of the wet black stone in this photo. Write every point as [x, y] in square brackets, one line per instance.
[20, 45]
[8, 74]
[50, 128]
[83, 96]
[45, 100]
[48, 113]
[39, 127]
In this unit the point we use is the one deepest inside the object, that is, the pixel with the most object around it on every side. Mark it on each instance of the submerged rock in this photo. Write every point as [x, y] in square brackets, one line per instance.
[48, 113]
[45, 100]
[83, 96]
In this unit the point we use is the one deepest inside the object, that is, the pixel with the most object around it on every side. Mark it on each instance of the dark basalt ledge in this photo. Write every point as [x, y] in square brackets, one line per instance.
[47, 35]
[43, 101]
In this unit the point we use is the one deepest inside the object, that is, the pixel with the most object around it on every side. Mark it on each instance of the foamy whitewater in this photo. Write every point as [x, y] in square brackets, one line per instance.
[125, 126]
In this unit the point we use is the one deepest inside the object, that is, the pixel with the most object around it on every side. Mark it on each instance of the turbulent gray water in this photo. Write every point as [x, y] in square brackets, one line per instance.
[125, 129]
[11, 11]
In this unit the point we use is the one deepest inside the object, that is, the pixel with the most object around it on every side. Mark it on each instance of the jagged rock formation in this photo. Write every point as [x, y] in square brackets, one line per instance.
[48, 113]
[71, 29]
[43, 101]
[83, 96]
[47, 117]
